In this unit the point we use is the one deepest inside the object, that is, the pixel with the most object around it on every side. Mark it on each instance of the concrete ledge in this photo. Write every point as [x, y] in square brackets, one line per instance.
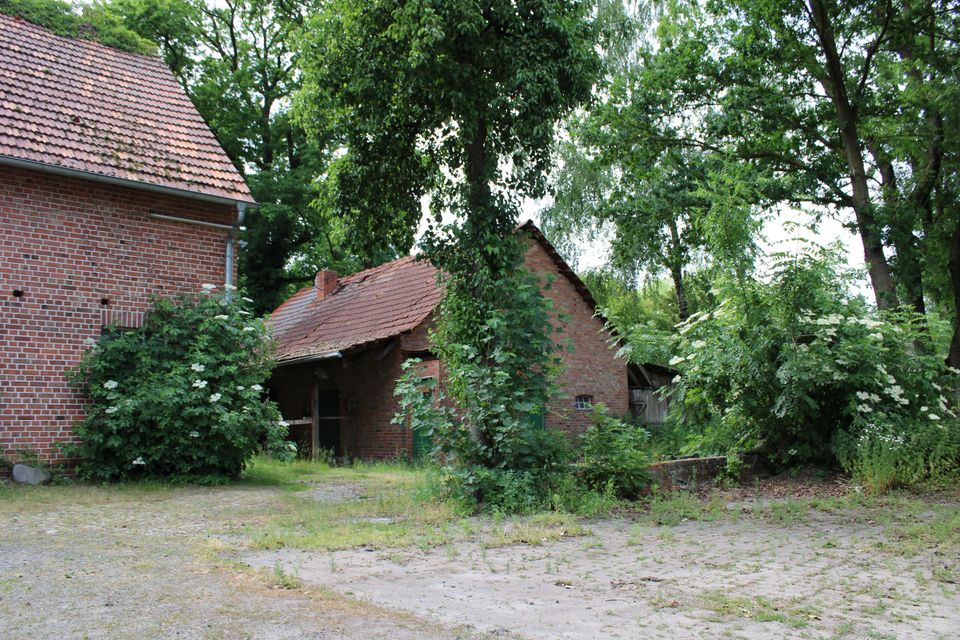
[690, 473]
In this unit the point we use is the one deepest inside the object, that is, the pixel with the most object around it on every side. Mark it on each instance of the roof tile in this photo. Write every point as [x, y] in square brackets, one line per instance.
[366, 307]
[78, 104]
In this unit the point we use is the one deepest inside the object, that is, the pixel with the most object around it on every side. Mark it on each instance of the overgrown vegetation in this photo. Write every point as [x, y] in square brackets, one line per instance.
[614, 456]
[179, 398]
[490, 81]
[92, 21]
[687, 131]
[802, 370]
[545, 470]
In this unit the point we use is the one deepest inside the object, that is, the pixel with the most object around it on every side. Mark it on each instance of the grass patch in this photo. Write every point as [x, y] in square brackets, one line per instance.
[537, 529]
[760, 609]
[396, 507]
[671, 509]
[936, 528]
[15, 498]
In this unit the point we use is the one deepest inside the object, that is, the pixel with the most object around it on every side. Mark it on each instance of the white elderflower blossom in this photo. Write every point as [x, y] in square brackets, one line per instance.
[283, 423]
[862, 395]
[249, 328]
[924, 408]
[953, 370]
[112, 409]
[199, 384]
[698, 344]
[138, 462]
[864, 408]
[675, 360]
[256, 387]
[240, 387]
[196, 366]
[208, 287]
[248, 300]
[222, 316]
[876, 336]
[229, 287]
[215, 397]
[194, 434]
[933, 416]
[110, 384]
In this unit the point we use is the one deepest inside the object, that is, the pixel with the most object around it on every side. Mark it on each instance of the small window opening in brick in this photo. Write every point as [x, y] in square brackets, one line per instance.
[105, 301]
[583, 402]
[17, 293]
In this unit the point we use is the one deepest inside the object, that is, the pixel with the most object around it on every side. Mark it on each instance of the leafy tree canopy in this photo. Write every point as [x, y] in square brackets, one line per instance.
[456, 101]
[90, 21]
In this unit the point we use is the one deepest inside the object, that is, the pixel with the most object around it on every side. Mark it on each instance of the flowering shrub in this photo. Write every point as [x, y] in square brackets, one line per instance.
[799, 368]
[179, 398]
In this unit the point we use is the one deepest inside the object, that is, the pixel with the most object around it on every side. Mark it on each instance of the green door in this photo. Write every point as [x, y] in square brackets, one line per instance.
[535, 420]
[422, 444]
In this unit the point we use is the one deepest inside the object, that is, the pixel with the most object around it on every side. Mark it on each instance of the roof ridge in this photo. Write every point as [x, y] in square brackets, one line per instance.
[16, 17]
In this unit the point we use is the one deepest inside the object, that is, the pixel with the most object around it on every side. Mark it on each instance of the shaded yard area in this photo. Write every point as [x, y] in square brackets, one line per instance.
[307, 551]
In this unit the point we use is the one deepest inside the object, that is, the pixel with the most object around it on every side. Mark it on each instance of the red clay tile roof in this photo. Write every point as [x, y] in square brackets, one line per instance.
[368, 306]
[82, 106]
[374, 305]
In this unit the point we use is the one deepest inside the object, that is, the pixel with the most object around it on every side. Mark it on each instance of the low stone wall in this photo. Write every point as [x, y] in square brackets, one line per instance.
[690, 473]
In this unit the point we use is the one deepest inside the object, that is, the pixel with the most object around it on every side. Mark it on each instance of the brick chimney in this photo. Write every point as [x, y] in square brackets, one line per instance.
[325, 283]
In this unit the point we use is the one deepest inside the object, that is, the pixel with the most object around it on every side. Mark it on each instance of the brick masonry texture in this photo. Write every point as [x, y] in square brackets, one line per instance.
[365, 380]
[68, 244]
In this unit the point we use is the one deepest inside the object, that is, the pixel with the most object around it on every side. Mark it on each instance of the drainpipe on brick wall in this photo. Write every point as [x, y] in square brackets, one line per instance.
[231, 238]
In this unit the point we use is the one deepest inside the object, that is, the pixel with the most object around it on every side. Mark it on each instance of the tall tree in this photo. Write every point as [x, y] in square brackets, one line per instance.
[850, 105]
[239, 64]
[457, 101]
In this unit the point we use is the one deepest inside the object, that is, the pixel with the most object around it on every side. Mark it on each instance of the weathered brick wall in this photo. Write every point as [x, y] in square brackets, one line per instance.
[592, 368]
[84, 254]
[366, 380]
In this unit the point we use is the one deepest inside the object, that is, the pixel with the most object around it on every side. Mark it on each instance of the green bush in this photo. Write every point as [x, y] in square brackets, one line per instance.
[179, 398]
[615, 456]
[494, 456]
[803, 370]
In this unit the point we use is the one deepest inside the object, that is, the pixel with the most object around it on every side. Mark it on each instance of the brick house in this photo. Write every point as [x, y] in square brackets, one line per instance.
[112, 189]
[341, 344]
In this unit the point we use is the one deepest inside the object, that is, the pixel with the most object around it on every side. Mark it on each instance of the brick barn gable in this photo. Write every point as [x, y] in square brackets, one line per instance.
[341, 345]
[105, 166]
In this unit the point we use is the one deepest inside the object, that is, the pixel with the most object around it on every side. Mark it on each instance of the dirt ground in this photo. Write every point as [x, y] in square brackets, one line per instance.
[106, 564]
[751, 563]
[742, 579]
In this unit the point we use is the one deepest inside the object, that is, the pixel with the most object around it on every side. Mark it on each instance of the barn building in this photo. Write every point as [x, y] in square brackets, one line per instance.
[112, 190]
[341, 344]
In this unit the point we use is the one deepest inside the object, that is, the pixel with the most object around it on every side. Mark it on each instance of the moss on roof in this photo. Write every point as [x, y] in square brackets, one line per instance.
[94, 22]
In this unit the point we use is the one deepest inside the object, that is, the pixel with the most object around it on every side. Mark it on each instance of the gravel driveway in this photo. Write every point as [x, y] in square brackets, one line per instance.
[104, 563]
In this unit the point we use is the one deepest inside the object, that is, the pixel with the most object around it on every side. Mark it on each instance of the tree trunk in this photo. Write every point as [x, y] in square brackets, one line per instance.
[676, 271]
[680, 291]
[834, 84]
[953, 355]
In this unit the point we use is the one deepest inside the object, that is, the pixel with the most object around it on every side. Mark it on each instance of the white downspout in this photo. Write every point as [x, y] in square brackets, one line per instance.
[231, 237]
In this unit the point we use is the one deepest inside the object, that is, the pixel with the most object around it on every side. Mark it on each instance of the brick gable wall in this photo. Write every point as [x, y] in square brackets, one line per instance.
[592, 368]
[365, 381]
[67, 244]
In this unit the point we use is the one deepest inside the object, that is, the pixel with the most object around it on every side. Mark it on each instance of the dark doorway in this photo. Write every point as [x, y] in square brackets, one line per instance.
[329, 415]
